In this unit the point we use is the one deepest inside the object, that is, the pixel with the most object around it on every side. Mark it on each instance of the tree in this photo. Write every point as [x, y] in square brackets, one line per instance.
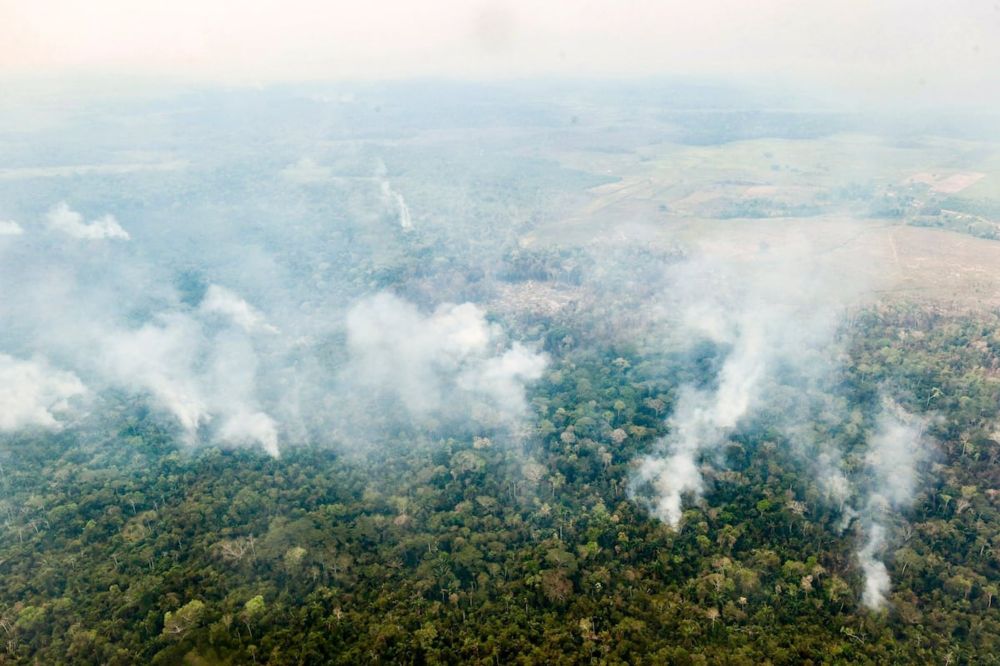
[292, 560]
[556, 587]
[252, 610]
[187, 617]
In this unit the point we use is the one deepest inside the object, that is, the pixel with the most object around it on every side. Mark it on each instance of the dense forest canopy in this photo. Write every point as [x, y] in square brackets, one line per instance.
[124, 548]
[425, 373]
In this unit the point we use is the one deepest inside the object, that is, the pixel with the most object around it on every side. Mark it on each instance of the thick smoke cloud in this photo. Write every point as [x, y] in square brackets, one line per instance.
[203, 373]
[434, 365]
[894, 452]
[34, 394]
[223, 302]
[240, 366]
[10, 228]
[65, 220]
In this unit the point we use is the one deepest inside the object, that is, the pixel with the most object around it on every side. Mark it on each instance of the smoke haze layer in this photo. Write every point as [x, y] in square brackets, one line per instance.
[90, 319]
[246, 264]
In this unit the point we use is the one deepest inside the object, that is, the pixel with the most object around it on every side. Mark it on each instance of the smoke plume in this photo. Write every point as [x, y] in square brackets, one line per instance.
[10, 228]
[451, 360]
[34, 394]
[772, 318]
[876, 575]
[895, 451]
[220, 368]
[65, 220]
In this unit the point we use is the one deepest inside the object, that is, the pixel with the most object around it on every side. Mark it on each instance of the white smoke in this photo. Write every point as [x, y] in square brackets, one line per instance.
[218, 368]
[435, 364]
[895, 451]
[10, 228]
[251, 428]
[197, 365]
[157, 358]
[830, 474]
[223, 373]
[774, 319]
[197, 371]
[394, 200]
[34, 394]
[876, 575]
[221, 301]
[703, 420]
[501, 380]
[65, 220]
[673, 476]
[768, 316]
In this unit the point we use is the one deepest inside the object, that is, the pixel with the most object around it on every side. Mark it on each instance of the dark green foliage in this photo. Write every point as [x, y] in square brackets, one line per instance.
[128, 550]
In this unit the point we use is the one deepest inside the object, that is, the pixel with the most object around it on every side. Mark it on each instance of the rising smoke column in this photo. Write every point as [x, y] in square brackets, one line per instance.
[394, 199]
[774, 320]
[773, 316]
[702, 421]
[876, 574]
[895, 451]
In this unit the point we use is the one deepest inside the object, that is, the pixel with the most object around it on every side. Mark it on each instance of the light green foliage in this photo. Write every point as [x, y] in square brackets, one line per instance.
[181, 621]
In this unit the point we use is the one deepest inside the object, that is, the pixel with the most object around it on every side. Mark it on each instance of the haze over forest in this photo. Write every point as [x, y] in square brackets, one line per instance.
[499, 335]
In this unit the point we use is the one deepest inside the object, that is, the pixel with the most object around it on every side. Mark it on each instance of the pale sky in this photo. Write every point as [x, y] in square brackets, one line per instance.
[895, 49]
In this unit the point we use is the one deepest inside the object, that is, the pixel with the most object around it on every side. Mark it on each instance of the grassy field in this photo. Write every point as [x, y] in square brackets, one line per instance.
[846, 198]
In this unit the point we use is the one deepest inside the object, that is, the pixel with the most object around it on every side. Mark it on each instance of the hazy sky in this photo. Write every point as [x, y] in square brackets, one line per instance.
[893, 49]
